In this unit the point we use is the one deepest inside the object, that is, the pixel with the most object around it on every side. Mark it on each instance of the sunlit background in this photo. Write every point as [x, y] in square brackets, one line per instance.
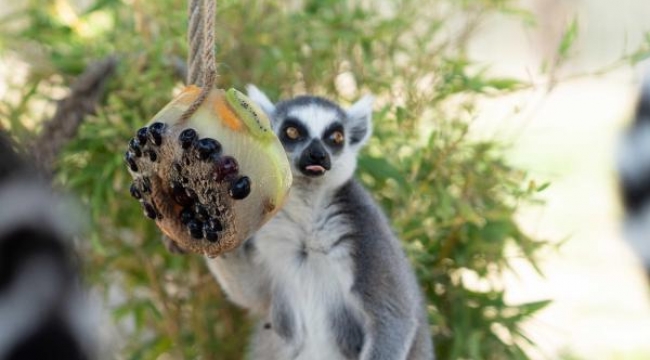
[601, 302]
[564, 133]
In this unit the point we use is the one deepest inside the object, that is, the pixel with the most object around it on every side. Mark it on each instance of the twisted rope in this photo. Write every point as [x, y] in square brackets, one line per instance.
[194, 27]
[202, 70]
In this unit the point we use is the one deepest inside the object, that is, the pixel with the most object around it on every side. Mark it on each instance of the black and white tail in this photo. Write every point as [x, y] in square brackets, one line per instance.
[634, 172]
[43, 312]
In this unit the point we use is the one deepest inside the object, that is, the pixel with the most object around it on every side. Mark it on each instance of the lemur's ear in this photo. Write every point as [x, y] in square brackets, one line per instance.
[260, 99]
[360, 121]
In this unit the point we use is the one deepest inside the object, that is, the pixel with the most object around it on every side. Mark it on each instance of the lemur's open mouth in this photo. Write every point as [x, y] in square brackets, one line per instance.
[314, 170]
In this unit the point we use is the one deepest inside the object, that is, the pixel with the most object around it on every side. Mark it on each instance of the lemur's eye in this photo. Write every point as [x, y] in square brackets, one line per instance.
[292, 133]
[337, 137]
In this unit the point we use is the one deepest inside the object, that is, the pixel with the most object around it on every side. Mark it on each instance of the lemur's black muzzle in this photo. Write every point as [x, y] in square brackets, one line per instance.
[314, 160]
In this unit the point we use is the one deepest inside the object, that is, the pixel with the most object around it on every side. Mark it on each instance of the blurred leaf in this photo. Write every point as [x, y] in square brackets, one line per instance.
[568, 39]
[503, 83]
[381, 169]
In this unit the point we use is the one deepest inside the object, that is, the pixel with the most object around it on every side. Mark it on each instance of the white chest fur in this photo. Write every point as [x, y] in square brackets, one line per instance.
[308, 261]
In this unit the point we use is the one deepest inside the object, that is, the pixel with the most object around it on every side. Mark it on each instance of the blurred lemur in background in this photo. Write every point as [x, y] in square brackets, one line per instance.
[43, 313]
[327, 277]
[634, 172]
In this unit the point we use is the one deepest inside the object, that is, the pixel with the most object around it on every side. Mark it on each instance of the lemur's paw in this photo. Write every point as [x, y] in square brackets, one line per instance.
[171, 246]
[212, 181]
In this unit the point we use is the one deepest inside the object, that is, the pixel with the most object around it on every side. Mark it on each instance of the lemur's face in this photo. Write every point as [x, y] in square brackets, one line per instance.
[313, 135]
[320, 138]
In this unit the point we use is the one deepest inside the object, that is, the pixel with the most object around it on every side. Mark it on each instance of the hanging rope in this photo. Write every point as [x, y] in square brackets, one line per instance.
[202, 68]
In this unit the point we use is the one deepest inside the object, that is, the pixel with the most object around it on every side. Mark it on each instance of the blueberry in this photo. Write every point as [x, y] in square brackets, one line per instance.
[152, 155]
[206, 147]
[179, 195]
[196, 229]
[201, 212]
[128, 157]
[240, 188]
[211, 229]
[142, 136]
[135, 192]
[155, 132]
[213, 225]
[224, 167]
[149, 210]
[211, 236]
[187, 215]
[134, 146]
[187, 138]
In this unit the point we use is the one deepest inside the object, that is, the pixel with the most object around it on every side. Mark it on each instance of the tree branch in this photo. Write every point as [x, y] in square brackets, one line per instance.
[70, 112]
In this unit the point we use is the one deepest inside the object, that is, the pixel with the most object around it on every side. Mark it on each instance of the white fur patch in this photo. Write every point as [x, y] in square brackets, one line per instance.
[316, 118]
[316, 284]
[360, 114]
[362, 108]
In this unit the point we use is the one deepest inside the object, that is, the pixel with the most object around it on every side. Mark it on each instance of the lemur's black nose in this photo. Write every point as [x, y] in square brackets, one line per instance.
[314, 160]
[317, 153]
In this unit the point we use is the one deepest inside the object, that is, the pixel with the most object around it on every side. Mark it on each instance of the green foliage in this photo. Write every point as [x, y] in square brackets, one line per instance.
[451, 199]
[568, 39]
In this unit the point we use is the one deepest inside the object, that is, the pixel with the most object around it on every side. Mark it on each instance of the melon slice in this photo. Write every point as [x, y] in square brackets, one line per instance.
[212, 181]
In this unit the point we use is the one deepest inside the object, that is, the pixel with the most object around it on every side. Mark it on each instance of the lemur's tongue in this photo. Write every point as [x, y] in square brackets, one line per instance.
[315, 168]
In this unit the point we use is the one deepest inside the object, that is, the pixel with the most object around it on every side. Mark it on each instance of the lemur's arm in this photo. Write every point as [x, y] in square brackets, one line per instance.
[386, 286]
[391, 328]
[241, 277]
[389, 302]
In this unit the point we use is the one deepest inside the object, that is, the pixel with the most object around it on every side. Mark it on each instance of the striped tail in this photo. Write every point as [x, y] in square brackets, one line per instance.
[42, 308]
[634, 172]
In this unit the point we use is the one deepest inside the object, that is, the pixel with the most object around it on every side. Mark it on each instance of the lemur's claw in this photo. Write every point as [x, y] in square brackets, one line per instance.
[172, 246]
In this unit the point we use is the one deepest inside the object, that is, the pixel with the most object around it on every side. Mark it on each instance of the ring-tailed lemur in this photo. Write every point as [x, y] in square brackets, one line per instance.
[326, 276]
[634, 171]
[43, 313]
